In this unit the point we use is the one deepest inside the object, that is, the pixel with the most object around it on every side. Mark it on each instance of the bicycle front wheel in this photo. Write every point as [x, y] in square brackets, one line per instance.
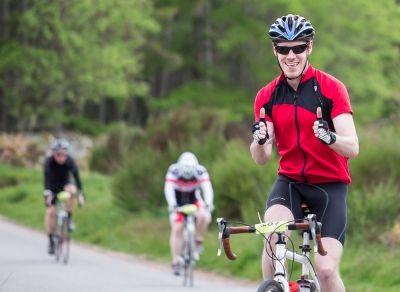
[189, 259]
[62, 242]
[270, 286]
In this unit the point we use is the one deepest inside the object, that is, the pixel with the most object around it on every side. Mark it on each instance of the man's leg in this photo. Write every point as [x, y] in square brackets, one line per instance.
[327, 267]
[175, 242]
[50, 226]
[273, 213]
[202, 221]
[70, 188]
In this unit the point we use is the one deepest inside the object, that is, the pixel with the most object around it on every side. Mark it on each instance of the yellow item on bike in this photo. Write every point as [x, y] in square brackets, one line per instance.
[63, 196]
[189, 209]
[270, 227]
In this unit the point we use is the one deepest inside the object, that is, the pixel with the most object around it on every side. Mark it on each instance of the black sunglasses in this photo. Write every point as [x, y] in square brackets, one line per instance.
[296, 49]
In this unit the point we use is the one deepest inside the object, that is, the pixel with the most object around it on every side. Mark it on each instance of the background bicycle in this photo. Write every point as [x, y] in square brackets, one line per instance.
[189, 253]
[62, 236]
[309, 227]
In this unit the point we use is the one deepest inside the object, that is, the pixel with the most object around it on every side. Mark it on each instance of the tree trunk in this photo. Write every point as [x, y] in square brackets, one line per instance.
[4, 36]
[102, 110]
[132, 111]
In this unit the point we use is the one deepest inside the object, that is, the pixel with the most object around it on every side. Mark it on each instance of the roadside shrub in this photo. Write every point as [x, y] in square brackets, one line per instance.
[379, 157]
[121, 139]
[19, 150]
[84, 125]
[139, 182]
[372, 211]
[241, 186]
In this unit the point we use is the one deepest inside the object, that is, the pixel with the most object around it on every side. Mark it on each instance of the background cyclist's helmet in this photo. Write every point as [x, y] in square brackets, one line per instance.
[59, 145]
[187, 165]
[291, 28]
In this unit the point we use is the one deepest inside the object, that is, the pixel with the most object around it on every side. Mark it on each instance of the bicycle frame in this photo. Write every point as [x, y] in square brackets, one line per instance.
[188, 248]
[62, 238]
[304, 259]
[309, 226]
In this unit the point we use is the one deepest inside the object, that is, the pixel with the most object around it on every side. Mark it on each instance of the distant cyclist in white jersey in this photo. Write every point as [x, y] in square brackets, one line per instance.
[182, 184]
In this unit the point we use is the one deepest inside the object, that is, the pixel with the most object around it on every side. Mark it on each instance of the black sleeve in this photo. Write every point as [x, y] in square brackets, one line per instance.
[47, 173]
[75, 173]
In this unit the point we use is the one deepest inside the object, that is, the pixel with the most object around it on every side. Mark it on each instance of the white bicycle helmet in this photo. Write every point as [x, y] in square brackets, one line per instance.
[59, 145]
[187, 165]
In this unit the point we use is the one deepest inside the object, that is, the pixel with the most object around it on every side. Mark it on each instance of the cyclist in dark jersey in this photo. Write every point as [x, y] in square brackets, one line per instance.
[182, 186]
[309, 115]
[58, 168]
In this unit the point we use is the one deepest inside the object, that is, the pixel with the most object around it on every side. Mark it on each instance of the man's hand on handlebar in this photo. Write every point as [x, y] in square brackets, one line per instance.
[210, 208]
[172, 208]
[48, 197]
[81, 198]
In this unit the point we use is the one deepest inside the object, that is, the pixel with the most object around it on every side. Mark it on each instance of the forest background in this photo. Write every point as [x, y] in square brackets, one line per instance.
[146, 80]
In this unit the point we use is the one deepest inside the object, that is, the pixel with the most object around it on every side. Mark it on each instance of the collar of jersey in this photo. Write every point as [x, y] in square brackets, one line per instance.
[307, 76]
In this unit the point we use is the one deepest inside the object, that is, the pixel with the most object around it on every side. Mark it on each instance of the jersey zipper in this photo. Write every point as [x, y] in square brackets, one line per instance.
[298, 136]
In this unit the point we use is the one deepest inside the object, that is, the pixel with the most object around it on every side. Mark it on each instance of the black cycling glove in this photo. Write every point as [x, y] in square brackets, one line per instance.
[324, 135]
[255, 128]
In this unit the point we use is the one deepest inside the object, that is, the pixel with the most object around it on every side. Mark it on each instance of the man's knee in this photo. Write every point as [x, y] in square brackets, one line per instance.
[50, 211]
[278, 213]
[70, 188]
[176, 229]
[326, 272]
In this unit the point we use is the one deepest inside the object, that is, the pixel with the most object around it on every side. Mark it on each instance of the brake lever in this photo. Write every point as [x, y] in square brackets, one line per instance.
[221, 222]
[312, 220]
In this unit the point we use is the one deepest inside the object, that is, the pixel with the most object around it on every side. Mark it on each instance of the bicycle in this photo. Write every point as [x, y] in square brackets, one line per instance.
[281, 281]
[62, 237]
[188, 252]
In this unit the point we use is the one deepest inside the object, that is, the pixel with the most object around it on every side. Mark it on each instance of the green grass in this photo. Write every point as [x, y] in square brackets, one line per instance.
[369, 266]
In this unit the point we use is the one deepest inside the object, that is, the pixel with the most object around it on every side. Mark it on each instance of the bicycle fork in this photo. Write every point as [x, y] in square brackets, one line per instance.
[280, 272]
[282, 253]
[189, 237]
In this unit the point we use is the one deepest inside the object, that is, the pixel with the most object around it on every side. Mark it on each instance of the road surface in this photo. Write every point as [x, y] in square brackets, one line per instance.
[26, 267]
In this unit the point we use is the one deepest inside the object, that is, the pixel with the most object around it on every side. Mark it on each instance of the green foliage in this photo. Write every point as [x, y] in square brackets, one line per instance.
[139, 183]
[75, 50]
[241, 186]
[378, 159]
[371, 211]
[108, 156]
[235, 100]
[84, 125]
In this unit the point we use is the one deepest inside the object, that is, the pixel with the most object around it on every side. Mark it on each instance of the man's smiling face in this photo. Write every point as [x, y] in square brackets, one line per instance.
[292, 64]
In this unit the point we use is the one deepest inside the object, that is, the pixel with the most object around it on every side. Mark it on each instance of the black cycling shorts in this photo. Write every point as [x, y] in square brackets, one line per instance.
[326, 200]
[55, 189]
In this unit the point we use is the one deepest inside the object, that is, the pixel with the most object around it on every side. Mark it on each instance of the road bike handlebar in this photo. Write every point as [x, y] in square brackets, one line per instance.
[274, 227]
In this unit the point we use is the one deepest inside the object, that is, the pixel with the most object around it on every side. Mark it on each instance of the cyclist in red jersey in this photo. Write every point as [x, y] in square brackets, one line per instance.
[182, 184]
[308, 114]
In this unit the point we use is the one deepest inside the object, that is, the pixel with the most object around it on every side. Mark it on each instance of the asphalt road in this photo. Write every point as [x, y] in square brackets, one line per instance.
[26, 267]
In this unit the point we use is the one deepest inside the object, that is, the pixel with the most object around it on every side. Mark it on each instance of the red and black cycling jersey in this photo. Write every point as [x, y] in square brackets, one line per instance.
[302, 156]
[179, 191]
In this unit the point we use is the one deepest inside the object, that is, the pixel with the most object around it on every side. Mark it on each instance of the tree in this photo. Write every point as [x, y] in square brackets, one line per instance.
[74, 51]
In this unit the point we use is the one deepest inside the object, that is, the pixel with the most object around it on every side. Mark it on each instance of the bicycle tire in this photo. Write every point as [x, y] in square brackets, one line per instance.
[189, 258]
[59, 243]
[313, 287]
[66, 239]
[270, 286]
[58, 246]
[62, 242]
